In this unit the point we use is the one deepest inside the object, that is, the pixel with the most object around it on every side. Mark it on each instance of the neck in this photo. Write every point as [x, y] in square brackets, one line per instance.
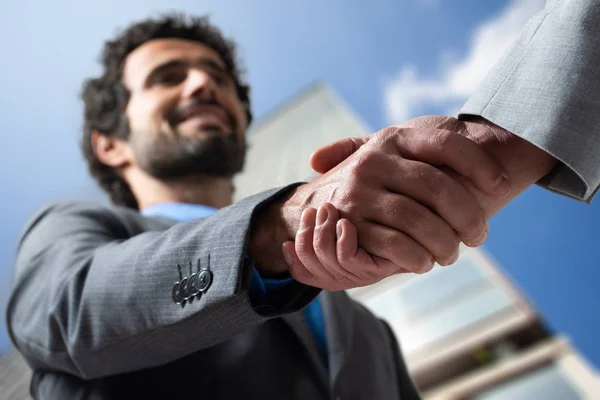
[196, 189]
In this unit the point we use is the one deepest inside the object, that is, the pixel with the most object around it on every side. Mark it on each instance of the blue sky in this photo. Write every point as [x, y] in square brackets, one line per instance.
[389, 60]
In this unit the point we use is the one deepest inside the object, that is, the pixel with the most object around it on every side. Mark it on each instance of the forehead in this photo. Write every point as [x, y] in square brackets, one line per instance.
[141, 61]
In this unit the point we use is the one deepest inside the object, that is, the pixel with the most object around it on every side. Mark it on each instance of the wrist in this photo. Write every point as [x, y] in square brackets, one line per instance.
[524, 162]
[271, 227]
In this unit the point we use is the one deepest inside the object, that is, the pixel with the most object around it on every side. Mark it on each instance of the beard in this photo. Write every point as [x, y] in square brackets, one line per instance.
[212, 153]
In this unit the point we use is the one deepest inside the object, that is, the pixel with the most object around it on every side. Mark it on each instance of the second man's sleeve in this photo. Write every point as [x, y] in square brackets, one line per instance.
[546, 89]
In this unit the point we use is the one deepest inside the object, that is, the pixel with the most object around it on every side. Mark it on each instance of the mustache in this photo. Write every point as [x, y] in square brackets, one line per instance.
[179, 114]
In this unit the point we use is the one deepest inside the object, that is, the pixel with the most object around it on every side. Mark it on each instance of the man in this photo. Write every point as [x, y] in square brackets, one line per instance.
[352, 373]
[164, 297]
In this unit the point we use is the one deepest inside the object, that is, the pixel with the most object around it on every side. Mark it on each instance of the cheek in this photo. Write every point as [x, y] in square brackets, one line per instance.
[239, 113]
[148, 114]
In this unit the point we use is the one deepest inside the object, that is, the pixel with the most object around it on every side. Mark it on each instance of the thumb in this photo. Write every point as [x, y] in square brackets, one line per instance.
[330, 155]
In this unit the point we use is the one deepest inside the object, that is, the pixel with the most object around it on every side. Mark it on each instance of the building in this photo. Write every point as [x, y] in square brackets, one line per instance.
[466, 331]
[281, 143]
[15, 377]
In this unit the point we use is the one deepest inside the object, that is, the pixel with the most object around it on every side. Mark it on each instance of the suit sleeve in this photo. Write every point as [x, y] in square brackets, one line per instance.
[546, 89]
[92, 301]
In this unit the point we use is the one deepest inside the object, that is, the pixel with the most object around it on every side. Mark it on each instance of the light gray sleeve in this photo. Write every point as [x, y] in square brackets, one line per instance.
[92, 301]
[546, 89]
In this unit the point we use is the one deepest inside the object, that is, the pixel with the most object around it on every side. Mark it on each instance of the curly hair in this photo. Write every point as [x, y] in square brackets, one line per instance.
[105, 98]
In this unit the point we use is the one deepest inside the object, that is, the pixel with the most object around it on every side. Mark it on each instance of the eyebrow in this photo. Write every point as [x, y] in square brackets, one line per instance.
[203, 62]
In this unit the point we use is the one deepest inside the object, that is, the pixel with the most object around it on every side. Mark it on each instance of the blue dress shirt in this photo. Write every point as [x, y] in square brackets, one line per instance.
[259, 286]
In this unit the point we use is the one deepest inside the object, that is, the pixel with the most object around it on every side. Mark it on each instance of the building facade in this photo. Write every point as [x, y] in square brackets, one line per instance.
[466, 331]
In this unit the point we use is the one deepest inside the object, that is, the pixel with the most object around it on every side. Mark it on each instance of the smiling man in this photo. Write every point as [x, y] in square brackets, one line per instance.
[174, 292]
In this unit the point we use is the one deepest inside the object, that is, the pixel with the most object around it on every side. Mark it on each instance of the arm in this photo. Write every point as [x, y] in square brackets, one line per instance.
[546, 90]
[537, 111]
[91, 300]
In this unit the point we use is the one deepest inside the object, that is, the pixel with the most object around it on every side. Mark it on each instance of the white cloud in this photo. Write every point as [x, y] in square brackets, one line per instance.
[408, 91]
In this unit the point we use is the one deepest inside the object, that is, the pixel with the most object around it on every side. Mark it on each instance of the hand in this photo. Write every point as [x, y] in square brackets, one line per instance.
[326, 250]
[524, 162]
[407, 213]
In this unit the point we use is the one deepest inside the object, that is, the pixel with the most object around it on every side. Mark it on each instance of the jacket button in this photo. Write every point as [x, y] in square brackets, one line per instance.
[183, 288]
[193, 285]
[204, 280]
[176, 293]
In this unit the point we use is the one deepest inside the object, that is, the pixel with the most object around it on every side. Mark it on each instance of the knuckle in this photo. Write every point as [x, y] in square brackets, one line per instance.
[387, 133]
[448, 250]
[474, 225]
[362, 163]
[437, 184]
[425, 264]
[414, 219]
[440, 139]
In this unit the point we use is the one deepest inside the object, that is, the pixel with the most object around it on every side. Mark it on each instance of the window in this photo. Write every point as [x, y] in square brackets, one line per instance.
[444, 302]
[546, 383]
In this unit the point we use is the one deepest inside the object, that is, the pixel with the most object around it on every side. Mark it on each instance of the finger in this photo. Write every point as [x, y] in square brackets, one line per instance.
[305, 250]
[347, 241]
[404, 214]
[438, 191]
[325, 246]
[444, 147]
[296, 269]
[354, 258]
[402, 251]
[328, 156]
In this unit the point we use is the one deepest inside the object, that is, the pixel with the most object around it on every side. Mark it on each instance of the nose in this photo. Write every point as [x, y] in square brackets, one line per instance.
[199, 84]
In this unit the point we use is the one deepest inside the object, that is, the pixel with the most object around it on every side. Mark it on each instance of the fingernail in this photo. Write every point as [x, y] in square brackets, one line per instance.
[321, 216]
[286, 256]
[502, 185]
[338, 230]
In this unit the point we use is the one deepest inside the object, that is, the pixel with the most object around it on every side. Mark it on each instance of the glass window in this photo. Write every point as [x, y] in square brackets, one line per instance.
[547, 383]
[462, 315]
[441, 303]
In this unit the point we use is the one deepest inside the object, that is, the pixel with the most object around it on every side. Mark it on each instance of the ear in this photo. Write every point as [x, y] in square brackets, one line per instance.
[110, 150]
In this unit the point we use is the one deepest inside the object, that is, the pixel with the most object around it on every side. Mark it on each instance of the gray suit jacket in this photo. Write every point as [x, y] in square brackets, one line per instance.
[546, 89]
[92, 312]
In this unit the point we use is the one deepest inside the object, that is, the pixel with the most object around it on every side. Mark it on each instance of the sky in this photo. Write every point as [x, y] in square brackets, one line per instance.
[388, 60]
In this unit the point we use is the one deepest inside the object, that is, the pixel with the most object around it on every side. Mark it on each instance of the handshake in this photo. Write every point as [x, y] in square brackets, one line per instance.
[394, 202]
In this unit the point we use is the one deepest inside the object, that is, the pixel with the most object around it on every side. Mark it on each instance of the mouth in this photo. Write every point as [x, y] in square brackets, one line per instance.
[204, 115]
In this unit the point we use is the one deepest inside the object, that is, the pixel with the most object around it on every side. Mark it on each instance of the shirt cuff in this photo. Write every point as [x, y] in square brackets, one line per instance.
[261, 287]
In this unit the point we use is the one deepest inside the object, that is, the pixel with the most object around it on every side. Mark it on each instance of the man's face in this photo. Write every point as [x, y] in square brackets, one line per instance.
[184, 113]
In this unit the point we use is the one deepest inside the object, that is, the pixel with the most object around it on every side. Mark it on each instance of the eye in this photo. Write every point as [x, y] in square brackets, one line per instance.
[221, 78]
[171, 77]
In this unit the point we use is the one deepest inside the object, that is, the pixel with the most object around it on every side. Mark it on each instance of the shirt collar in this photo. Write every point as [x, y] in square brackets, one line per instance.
[178, 211]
